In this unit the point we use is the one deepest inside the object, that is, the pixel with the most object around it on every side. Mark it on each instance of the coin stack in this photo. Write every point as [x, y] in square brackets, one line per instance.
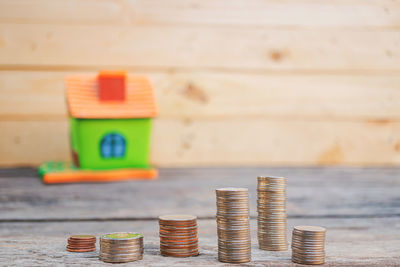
[271, 208]
[81, 243]
[121, 247]
[233, 225]
[308, 245]
[178, 235]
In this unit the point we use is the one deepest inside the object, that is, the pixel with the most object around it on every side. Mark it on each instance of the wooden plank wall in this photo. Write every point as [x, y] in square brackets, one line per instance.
[238, 82]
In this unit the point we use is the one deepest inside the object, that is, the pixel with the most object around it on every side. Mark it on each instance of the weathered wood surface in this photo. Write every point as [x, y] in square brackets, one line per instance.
[349, 242]
[320, 192]
[359, 206]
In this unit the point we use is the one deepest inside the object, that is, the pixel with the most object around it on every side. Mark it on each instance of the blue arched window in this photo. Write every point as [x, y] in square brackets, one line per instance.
[113, 146]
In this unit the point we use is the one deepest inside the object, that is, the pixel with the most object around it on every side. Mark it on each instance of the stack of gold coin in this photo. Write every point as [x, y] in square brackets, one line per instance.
[178, 235]
[308, 245]
[81, 243]
[271, 208]
[121, 247]
[233, 225]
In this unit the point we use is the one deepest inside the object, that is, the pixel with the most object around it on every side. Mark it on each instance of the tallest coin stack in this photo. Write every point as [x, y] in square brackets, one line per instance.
[233, 225]
[271, 207]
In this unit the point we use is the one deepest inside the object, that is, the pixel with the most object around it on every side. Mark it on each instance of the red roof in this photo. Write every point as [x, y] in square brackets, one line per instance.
[83, 99]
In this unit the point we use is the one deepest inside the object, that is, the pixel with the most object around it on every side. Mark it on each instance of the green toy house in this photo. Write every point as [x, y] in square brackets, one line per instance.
[110, 126]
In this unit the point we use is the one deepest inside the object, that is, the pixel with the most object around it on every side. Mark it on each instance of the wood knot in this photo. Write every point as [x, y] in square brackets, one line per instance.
[397, 146]
[333, 155]
[276, 55]
[196, 94]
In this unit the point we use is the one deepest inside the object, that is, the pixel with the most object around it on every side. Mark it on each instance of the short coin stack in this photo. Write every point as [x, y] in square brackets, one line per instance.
[271, 208]
[308, 245]
[233, 225]
[81, 243]
[121, 247]
[178, 235]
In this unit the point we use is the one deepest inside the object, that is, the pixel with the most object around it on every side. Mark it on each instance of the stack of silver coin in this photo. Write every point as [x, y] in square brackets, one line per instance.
[233, 225]
[271, 208]
[308, 245]
[121, 247]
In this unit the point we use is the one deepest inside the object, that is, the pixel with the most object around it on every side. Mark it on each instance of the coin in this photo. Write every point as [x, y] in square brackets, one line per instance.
[81, 243]
[121, 247]
[80, 249]
[233, 225]
[271, 208]
[82, 237]
[308, 244]
[178, 235]
[176, 219]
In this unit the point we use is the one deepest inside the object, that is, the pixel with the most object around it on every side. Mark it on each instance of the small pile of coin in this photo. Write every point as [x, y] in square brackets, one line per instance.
[121, 247]
[271, 208]
[308, 245]
[233, 225]
[81, 243]
[178, 235]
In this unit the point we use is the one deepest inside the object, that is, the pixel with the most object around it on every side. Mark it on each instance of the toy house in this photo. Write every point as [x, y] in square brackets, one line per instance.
[110, 127]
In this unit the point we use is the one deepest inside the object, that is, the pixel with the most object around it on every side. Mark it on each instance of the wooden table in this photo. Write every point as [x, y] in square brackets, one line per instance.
[360, 207]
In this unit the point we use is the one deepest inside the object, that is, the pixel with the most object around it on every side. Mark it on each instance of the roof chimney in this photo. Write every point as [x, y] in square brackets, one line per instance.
[112, 85]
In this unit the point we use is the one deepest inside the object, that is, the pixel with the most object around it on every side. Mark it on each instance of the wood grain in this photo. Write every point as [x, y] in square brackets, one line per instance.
[312, 193]
[201, 112]
[224, 142]
[229, 49]
[288, 13]
[267, 142]
[349, 242]
[41, 96]
[33, 142]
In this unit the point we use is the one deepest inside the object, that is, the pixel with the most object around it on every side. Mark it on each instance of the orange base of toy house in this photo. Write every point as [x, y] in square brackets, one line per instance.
[89, 176]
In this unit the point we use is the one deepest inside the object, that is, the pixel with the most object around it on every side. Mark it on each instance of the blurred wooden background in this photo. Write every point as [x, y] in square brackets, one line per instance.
[238, 82]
